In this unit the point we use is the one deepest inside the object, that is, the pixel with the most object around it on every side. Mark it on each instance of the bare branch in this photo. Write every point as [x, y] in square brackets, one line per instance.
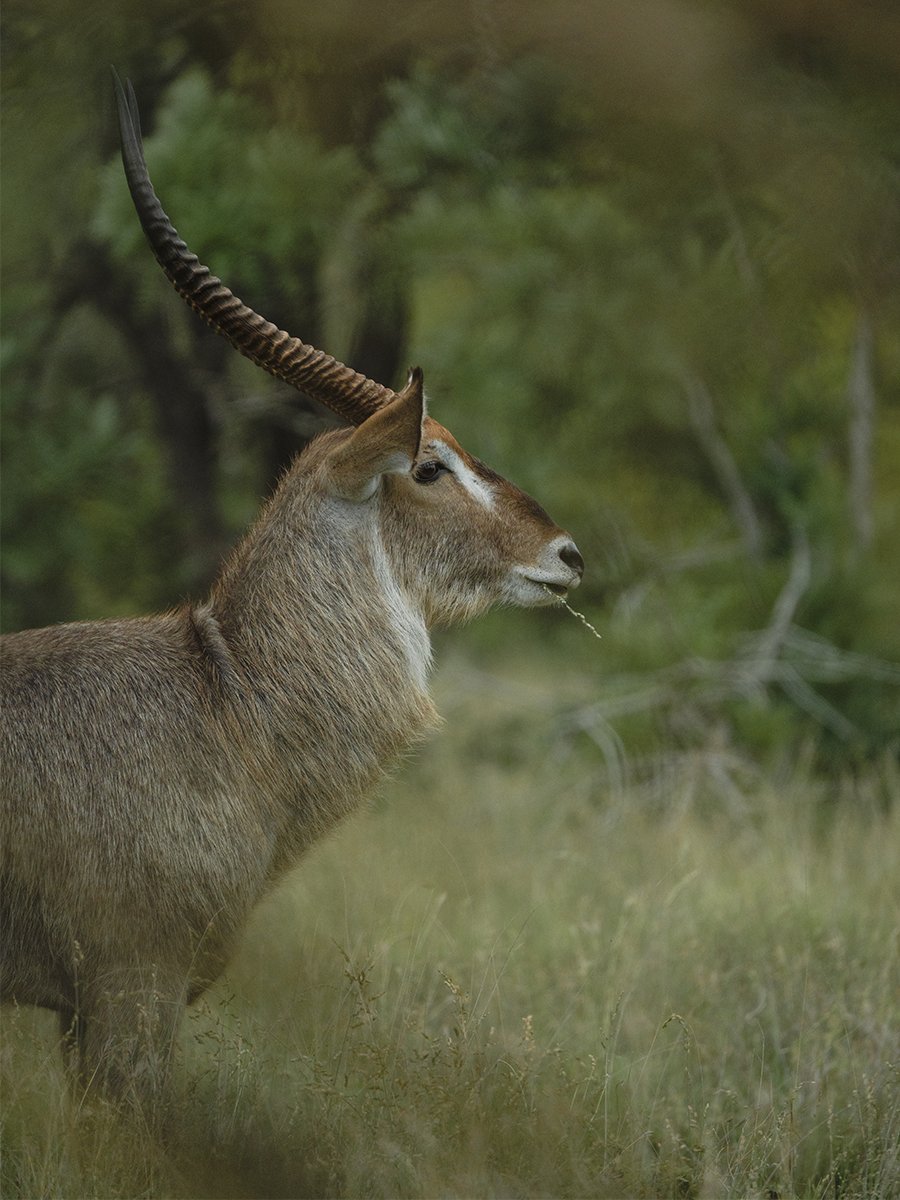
[703, 419]
[861, 405]
[769, 644]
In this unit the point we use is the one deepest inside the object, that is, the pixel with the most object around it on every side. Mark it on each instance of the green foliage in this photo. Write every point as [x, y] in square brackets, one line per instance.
[69, 524]
[449, 135]
[644, 940]
[638, 296]
[273, 173]
[645, 936]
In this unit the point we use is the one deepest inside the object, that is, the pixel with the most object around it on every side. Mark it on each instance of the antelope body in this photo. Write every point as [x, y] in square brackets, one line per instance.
[160, 774]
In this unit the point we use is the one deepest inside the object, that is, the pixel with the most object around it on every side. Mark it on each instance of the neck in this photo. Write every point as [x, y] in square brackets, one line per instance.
[333, 654]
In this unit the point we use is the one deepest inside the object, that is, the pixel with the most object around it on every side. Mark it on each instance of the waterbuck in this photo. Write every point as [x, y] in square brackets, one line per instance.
[160, 773]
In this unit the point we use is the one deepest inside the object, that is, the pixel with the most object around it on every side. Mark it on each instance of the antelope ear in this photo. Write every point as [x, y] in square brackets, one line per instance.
[385, 443]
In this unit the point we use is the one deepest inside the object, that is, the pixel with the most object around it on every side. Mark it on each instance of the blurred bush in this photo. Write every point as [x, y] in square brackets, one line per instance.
[648, 255]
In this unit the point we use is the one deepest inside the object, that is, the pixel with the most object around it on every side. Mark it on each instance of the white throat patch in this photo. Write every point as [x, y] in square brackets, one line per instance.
[406, 618]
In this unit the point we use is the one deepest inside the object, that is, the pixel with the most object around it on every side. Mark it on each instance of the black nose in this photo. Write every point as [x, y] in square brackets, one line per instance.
[570, 556]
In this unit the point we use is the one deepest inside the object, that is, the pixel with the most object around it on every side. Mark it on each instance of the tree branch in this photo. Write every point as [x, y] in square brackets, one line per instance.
[703, 419]
[861, 431]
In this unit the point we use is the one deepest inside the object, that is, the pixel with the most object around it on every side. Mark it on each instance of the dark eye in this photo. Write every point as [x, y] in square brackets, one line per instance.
[428, 472]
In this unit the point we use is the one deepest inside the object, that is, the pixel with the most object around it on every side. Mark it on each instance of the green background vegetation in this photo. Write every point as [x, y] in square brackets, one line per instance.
[629, 926]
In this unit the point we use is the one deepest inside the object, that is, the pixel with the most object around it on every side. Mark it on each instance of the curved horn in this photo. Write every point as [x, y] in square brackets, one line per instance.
[344, 391]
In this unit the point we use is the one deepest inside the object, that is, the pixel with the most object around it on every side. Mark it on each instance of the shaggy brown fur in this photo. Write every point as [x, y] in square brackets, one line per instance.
[159, 774]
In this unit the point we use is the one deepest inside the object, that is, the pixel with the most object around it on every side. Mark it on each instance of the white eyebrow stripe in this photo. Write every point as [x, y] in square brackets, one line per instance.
[478, 488]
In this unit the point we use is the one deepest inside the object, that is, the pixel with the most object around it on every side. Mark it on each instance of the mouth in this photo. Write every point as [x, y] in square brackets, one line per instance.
[549, 577]
[533, 587]
[544, 591]
[558, 589]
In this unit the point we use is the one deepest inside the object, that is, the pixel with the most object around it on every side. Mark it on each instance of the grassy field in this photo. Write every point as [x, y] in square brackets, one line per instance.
[514, 977]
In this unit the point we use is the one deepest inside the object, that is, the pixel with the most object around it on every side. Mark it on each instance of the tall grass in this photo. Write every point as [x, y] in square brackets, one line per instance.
[510, 979]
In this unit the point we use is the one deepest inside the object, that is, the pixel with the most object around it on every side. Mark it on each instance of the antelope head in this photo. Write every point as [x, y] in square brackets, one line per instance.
[461, 537]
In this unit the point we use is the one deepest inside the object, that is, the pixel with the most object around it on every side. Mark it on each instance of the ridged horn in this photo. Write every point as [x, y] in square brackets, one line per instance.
[347, 393]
